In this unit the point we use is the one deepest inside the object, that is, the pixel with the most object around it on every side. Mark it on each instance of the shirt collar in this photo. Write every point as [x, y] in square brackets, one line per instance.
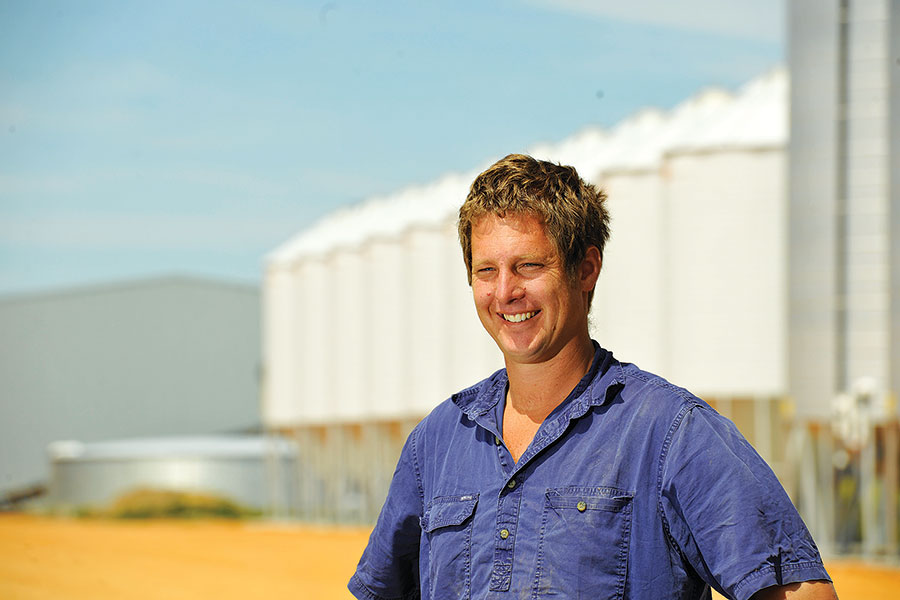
[596, 388]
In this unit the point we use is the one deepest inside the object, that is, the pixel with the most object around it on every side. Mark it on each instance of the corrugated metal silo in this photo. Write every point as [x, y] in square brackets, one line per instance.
[389, 301]
[315, 340]
[282, 309]
[427, 326]
[725, 199]
[353, 322]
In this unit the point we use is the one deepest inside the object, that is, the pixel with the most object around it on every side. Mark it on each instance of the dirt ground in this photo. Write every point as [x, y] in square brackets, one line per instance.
[43, 559]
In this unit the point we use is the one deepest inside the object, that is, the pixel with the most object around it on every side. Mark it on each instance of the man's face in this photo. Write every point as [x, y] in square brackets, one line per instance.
[523, 296]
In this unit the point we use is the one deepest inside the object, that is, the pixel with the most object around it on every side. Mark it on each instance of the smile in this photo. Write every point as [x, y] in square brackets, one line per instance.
[519, 317]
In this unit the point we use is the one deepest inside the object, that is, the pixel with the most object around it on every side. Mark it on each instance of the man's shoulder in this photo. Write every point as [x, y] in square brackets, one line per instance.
[639, 387]
[653, 401]
[639, 381]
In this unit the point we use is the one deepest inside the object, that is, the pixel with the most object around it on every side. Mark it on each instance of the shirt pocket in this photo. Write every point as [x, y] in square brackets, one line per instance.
[583, 548]
[447, 524]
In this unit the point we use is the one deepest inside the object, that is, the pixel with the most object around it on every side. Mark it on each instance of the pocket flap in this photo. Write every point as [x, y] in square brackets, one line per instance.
[585, 498]
[449, 510]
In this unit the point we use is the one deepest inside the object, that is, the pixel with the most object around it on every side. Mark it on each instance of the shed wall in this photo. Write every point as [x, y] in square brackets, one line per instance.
[168, 356]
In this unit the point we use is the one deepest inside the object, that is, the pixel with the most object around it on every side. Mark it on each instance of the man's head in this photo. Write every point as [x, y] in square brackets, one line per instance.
[572, 211]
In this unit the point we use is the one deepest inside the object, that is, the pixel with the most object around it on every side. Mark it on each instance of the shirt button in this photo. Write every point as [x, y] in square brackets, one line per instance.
[504, 533]
[496, 440]
[581, 506]
[511, 484]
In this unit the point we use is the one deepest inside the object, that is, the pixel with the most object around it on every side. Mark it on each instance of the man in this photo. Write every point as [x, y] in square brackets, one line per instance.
[569, 474]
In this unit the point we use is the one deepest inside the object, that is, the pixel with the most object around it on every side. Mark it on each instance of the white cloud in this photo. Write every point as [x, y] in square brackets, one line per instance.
[86, 96]
[760, 20]
[10, 114]
[116, 78]
[151, 232]
[237, 183]
[50, 183]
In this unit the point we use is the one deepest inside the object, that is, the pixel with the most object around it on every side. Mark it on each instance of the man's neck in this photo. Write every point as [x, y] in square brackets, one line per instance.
[536, 389]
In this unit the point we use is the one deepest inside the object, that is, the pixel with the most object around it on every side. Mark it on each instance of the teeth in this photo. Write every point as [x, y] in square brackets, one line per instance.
[518, 318]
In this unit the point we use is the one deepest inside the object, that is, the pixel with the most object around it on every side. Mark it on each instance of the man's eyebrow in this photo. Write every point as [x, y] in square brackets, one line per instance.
[539, 256]
[527, 256]
[480, 264]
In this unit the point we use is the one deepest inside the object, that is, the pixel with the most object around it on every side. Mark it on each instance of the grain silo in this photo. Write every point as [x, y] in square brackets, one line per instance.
[844, 266]
[369, 320]
[693, 283]
[760, 274]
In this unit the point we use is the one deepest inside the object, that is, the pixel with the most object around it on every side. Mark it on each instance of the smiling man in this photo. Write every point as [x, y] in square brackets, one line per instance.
[569, 474]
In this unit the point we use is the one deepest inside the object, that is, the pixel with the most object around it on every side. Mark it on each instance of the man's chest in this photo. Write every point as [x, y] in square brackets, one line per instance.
[560, 524]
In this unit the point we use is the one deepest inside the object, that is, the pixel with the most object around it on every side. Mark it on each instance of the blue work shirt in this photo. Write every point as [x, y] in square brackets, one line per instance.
[631, 488]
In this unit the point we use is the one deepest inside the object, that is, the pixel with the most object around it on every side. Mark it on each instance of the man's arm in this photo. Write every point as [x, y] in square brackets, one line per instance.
[729, 516]
[805, 590]
[389, 567]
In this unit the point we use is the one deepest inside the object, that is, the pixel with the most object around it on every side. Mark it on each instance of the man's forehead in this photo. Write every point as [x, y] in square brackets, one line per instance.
[524, 222]
[521, 233]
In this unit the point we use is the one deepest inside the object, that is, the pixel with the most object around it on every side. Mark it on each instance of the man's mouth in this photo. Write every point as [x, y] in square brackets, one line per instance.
[519, 317]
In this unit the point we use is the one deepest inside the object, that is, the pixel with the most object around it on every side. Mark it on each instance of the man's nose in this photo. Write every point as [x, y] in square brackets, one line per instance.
[509, 286]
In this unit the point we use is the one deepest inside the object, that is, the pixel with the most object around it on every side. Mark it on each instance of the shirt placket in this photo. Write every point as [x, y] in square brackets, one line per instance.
[510, 496]
[505, 534]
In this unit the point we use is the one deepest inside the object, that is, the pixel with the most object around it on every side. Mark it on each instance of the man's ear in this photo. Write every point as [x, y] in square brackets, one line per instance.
[589, 271]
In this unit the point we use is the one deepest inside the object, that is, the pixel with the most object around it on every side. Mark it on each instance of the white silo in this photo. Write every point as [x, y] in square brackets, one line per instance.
[428, 328]
[394, 282]
[352, 324]
[282, 309]
[314, 341]
[725, 199]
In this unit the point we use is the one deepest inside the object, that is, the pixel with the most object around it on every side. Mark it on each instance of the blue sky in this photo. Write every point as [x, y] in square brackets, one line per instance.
[151, 138]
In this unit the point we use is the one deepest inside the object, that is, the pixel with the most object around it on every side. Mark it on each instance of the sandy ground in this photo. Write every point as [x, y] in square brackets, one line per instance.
[43, 559]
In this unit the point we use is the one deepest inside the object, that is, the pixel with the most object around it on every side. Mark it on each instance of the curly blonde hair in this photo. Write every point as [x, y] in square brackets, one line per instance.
[572, 210]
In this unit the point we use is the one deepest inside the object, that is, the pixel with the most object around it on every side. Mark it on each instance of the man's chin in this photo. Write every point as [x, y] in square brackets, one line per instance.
[521, 353]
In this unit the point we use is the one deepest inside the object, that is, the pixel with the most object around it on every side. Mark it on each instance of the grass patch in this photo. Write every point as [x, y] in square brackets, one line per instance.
[148, 503]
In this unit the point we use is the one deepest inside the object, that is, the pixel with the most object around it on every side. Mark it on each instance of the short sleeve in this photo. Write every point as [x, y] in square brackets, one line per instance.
[389, 567]
[726, 512]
